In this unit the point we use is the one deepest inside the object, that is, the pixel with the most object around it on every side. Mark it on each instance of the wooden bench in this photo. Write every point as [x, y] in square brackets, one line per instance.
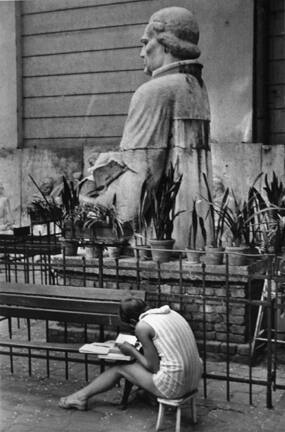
[67, 304]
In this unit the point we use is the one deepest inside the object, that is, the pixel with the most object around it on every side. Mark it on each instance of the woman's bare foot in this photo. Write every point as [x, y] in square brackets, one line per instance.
[73, 401]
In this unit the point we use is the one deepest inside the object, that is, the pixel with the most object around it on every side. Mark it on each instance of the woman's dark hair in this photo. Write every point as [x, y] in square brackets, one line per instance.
[132, 308]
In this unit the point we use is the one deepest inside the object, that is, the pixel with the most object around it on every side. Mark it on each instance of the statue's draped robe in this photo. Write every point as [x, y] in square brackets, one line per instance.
[168, 122]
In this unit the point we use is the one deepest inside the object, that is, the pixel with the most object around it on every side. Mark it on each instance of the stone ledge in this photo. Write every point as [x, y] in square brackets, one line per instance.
[129, 267]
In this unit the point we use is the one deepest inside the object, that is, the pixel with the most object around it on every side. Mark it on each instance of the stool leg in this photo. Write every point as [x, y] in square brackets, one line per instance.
[160, 416]
[178, 419]
[194, 410]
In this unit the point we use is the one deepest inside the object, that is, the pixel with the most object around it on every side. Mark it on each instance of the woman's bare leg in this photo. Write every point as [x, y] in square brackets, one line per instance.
[133, 372]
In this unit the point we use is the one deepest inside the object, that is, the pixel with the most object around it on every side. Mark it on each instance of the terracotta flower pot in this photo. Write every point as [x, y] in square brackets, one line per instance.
[213, 255]
[193, 256]
[69, 246]
[161, 250]
[236, 255]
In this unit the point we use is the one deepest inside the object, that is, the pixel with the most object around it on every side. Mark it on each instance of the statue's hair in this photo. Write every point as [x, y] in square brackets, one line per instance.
[132, 308]
[177, 30]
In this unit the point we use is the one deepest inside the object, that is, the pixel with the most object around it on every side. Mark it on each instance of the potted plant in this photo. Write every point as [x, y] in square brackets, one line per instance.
[216, 214]
[161, 200]
[193, 254]
[102, 224]
[71, 222]
[44, 208]
[143, 222]
[244, 220]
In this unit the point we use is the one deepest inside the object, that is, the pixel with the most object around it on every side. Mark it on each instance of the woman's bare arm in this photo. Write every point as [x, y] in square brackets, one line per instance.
[149, 359]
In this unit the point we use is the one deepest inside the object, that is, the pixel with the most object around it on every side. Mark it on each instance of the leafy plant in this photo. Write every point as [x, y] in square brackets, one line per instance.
[160, 201]
[216, 214]
[69, 196]
[197, 221]
[44, 208]
[144, 214]
[275, 191]
[97, 215]
[65, 207]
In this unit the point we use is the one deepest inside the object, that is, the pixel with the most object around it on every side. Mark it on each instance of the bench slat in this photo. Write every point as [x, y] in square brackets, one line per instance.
[71, 291]
[58, 303]
[59, 315]
[73, 348]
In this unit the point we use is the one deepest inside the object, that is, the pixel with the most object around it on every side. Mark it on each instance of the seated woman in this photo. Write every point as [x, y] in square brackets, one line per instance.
[169, 367]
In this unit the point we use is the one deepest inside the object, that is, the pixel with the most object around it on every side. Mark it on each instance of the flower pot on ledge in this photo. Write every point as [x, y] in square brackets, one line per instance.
[213, 255]
[193, 255]
[104, 232]
[236, 255]
[69, 246]
[161, 250]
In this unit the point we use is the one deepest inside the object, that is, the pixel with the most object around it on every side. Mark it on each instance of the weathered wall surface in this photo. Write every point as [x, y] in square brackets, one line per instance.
[8, 74]
[238, 164]
[81, 65]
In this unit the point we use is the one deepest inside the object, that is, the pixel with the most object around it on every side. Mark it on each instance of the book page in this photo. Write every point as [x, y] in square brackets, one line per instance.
[97, 347]
[122, 337]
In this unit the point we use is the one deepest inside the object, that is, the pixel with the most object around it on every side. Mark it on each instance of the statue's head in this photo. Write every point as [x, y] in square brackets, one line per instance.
[176, 30]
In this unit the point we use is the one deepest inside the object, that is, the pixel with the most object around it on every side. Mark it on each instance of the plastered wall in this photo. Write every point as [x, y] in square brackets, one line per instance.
[227, 52]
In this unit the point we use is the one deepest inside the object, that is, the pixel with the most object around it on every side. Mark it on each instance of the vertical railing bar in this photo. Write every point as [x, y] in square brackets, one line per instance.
[10, 327]
[64, 265]
[41, 268]
[28, 267]
[84, 270]
[100, 266]
[45, 269]
[49, 263]
[117, 273]
[250, 356]
[33, 270]
[9, 267]
[15, 265]
[47, 363]
[138, 278]
[158, 283]
[5, 261]
[47, 330]
[204, 331]
[269, 337]
[228, 327]
[11, 359]
[25, 263]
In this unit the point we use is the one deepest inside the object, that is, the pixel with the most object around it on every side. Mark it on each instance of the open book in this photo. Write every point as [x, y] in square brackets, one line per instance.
[109, 350]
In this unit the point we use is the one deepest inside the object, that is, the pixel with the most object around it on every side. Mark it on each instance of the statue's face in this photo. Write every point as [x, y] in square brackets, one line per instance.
[152, 52]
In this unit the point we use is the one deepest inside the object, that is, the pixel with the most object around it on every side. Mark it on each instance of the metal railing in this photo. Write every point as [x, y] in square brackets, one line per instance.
[235, 313]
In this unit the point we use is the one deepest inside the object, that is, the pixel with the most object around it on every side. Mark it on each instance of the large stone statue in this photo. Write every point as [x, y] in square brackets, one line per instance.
[168, 122]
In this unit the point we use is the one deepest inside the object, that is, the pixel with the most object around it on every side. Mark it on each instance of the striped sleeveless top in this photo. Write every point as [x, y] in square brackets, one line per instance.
[180, 365]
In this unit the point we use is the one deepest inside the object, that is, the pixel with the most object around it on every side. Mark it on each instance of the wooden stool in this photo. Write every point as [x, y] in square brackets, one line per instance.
[178, 403]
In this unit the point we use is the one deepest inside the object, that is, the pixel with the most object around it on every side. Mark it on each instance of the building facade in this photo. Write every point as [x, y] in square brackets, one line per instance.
[70, 67]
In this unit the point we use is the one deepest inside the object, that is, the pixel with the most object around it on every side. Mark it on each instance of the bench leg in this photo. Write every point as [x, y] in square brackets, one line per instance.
[194, 409]
[178, 419]
[160, 416]
[127, 390]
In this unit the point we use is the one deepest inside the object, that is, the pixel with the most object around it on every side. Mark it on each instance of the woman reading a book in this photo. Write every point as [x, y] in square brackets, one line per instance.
[169, 365]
